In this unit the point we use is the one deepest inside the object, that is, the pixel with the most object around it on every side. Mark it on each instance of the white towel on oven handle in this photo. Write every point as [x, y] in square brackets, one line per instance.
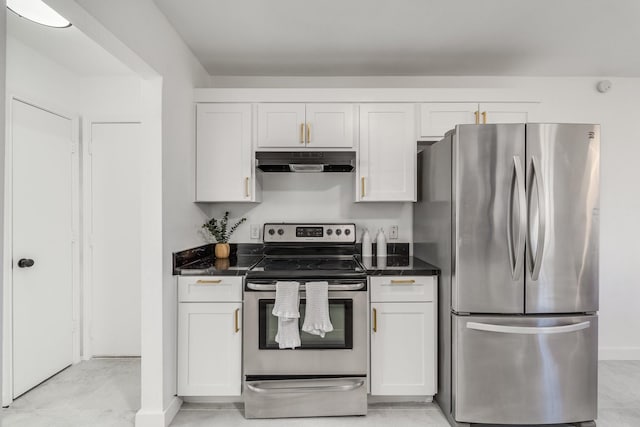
[316, 319]
[287, 309]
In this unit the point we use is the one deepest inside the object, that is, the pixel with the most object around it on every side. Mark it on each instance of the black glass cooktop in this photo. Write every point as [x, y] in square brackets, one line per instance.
[308, 264]
[307, 267]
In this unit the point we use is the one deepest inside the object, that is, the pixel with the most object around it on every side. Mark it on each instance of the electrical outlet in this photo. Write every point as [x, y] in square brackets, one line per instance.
[393, 232]
[255, 231]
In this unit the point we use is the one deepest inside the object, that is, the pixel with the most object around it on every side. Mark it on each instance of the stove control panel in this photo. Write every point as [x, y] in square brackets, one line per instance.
[295, 233]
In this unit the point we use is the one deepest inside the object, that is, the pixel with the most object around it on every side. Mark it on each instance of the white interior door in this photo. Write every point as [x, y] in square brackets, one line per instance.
[115, 239]
[42, 231]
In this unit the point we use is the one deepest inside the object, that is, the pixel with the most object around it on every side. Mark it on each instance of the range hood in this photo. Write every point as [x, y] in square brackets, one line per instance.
[305, 161]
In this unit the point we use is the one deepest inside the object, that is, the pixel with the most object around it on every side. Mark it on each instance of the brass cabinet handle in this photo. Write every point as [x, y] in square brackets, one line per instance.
[362, 192]
[237, 328]
[375, 320]
[484, 117]
[246, 187]
[301, 133]
[308, 133]
[407, 281]
[203, 282]
[477, 114]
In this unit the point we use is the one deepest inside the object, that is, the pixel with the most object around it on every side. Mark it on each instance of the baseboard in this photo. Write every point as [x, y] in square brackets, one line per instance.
[619, 353]
[159, 418]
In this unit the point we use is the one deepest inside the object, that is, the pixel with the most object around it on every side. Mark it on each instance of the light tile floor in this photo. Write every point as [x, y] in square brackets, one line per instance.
[96, 393]
[105, 393]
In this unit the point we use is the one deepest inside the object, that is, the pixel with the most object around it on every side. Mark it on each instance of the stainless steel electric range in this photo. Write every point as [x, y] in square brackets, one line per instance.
[324, 376]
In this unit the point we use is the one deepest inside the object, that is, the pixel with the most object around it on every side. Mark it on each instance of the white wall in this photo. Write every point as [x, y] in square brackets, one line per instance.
[316, 197]
[165, 60]
[3, 32]
[562, 100]
[38, 79]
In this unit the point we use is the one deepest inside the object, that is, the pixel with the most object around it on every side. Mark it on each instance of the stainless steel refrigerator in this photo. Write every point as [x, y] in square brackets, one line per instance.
[510, 213]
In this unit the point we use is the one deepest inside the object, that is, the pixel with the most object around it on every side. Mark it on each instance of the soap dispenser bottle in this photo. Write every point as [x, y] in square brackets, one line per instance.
[366, 243]
[381, 245]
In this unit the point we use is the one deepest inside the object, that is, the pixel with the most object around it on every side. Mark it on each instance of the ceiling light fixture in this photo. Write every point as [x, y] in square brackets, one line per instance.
[37, 11]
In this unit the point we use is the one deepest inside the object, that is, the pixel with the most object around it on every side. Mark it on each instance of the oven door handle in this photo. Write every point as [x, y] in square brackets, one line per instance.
[258, 388]
[266, 287]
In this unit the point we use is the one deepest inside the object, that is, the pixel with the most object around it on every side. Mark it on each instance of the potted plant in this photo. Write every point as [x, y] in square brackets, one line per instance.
[219, 230]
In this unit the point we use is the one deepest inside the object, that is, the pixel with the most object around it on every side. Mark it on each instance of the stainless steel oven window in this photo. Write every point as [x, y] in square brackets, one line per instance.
[340, 313]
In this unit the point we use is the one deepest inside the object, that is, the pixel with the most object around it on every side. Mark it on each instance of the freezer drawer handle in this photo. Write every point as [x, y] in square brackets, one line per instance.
[528, 329]
[255, 387]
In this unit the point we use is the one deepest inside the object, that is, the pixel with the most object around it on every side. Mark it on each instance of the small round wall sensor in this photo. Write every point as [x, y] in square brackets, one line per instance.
[604, 86]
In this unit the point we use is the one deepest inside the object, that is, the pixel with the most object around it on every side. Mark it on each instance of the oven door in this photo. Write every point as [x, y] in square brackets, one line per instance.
[342, 351]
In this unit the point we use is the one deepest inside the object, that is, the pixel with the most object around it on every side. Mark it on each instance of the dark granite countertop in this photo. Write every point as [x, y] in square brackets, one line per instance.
[398, 265]
[233, 266]
[200, 261]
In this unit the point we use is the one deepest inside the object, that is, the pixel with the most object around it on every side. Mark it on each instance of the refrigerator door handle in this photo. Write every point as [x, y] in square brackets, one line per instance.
[528, 330]
[536, 262]
[516, 255]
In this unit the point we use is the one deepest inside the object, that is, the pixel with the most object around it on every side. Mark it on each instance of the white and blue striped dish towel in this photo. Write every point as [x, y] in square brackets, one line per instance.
[316, 318]
[287, 309]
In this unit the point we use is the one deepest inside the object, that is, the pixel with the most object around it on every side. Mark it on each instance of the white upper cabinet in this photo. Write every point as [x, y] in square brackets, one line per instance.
[507, 112]
[387, 162]
[281, 125]
[224, 164]
[438, 118]
[329, 125]
[294, 126]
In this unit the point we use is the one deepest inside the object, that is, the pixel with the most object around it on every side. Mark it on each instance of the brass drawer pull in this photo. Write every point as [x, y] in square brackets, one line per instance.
[484, 117]
[477, 114]
[362, 192]
[308, 133]
[405, 282]
[205, 282]
[246, 187]
[301, 133]
[237, 321]
[375, 320]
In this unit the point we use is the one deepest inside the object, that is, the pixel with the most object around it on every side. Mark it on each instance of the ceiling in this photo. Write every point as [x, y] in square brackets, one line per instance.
[68, 47]
[410, 37]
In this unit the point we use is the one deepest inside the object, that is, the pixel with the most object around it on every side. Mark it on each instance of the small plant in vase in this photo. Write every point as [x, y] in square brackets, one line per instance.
[221, 232]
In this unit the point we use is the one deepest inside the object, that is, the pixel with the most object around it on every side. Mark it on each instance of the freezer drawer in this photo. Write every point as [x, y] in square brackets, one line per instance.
[525, 370]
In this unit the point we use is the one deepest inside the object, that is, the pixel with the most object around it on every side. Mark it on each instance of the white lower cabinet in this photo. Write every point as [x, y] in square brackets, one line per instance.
[403, 339]
[209, 344]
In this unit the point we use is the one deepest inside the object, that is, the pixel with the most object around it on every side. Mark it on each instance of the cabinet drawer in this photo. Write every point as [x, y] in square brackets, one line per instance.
[210, 289]
[403, 288]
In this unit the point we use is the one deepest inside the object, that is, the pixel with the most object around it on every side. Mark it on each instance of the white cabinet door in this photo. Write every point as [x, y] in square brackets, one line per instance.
[403, 288]
[281, 125]
[209, 349]
[224, 171]
[387, 161]
[403, 349]
[439, 117]
[329, 125]
[507, 112]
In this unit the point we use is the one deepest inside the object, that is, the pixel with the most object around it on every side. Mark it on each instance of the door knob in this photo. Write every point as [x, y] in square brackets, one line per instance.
[25, 262]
